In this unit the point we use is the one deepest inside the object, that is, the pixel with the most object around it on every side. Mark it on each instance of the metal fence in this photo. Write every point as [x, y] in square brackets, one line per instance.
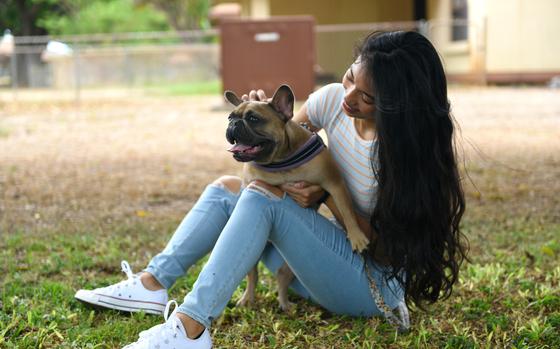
[132, 61]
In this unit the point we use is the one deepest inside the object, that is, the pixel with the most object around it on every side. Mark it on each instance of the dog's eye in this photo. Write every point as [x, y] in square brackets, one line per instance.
[252, 118]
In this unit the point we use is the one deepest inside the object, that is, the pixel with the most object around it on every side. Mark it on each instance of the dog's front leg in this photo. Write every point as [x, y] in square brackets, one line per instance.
[283, 279]
[248, 296]
[342, 201]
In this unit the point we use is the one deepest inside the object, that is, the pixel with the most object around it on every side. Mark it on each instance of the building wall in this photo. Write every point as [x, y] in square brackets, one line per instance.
[523, 36]
[506, 37]
[509, 40]
[335, 49]
[346, 11]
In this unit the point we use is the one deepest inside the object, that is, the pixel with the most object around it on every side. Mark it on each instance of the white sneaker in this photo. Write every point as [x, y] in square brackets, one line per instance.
[127, 295]
[170, 335]
[405, 317]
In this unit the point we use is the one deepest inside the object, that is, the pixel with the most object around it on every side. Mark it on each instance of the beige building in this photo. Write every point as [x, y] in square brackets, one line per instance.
[494, 41]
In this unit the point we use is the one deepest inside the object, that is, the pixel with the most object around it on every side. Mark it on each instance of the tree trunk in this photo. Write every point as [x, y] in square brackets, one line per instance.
[27, 16]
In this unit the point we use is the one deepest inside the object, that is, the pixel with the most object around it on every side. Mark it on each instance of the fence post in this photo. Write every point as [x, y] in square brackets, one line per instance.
[13, 73]
[77, 81]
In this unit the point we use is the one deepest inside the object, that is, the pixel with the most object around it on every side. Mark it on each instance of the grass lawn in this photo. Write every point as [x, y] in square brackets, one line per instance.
[83, 187]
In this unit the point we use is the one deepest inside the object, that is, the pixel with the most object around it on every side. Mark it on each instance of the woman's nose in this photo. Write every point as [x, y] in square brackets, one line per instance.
[350, 96]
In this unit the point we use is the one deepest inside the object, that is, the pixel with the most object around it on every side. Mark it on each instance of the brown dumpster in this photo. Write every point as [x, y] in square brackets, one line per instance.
[267, 53]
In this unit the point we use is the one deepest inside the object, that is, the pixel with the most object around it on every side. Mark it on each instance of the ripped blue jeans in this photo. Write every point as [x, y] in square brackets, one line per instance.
[241, 229]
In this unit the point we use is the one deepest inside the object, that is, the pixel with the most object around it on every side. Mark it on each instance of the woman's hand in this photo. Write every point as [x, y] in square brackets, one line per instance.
[255, 95]
[303, 193]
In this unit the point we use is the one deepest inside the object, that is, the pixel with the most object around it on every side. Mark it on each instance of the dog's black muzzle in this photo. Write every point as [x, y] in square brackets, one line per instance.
[238, 132]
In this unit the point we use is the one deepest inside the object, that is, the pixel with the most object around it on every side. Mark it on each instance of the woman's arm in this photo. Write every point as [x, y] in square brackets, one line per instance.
[301, 117]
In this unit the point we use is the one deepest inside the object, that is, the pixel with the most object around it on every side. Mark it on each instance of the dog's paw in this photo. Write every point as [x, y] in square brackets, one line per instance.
[287, 307]
[359, 242]
[245, 301]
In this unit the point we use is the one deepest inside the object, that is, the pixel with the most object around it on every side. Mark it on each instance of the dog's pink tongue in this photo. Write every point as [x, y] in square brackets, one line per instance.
[237, 148]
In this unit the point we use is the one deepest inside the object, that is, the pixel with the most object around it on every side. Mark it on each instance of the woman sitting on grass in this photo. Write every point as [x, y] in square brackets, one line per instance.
[391, 133]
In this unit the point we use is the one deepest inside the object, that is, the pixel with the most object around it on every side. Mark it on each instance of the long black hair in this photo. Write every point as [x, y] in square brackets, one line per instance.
[420, 199]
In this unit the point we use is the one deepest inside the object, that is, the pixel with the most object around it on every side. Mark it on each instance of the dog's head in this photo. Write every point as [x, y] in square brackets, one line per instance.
[257, 129]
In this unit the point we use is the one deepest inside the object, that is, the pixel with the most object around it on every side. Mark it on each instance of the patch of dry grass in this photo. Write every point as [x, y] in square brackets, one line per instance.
[118, 156]
[108, 159]
[511, 140]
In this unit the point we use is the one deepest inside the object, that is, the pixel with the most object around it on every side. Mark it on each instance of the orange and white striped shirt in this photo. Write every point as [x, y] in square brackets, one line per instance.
[352, 153]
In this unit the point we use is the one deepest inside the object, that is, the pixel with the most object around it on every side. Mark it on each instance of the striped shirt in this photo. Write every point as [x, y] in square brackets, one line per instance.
[352, 153]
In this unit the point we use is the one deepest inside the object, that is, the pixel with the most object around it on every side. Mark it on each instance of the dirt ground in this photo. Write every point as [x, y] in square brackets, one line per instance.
[117, 155]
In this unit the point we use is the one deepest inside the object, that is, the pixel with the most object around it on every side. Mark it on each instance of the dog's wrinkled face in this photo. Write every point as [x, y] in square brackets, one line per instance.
[257, 129]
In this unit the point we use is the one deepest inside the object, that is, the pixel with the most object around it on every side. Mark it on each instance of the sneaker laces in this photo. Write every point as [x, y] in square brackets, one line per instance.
[170, 322]
[125, 267]
[131, 277]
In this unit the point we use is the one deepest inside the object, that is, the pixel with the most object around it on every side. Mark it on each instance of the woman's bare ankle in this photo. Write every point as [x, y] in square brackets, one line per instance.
[150, 282]
[193, 328]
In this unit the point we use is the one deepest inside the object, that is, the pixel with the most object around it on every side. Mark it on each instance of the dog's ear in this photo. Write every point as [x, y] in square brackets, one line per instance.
[283, 101]
[231, 97]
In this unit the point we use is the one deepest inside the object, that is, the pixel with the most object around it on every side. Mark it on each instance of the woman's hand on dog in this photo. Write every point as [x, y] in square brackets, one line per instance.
[303, 193]
[255, 95]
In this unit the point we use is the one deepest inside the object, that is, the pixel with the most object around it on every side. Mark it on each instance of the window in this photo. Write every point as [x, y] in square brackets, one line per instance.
[459, 14]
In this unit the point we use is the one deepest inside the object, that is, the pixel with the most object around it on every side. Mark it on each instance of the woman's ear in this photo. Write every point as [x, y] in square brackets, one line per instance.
[283, 101]
[231, 97]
